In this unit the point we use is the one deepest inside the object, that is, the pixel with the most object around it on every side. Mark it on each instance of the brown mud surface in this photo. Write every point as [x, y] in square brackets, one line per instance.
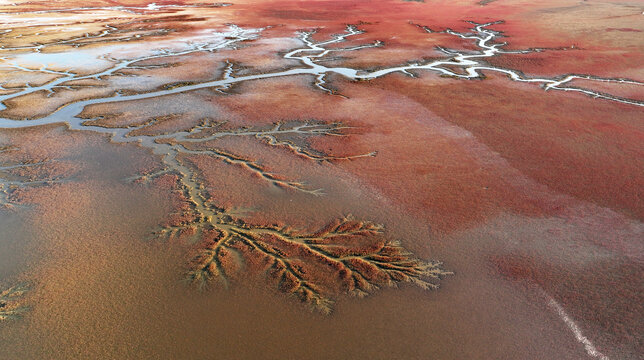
[321, 179]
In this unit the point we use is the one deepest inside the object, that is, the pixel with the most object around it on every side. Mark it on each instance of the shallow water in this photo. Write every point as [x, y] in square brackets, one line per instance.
[176, 186]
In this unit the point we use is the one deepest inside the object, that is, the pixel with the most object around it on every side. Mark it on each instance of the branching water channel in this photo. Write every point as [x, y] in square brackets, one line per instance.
[353, 252]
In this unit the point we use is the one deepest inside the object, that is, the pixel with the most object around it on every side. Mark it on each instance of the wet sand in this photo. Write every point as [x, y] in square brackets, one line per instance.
[177, 203]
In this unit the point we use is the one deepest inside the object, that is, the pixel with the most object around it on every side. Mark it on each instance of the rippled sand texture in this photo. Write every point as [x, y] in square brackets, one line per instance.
[288, 179]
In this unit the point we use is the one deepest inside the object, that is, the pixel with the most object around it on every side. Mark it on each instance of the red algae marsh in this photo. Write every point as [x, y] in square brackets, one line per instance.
[321, 179]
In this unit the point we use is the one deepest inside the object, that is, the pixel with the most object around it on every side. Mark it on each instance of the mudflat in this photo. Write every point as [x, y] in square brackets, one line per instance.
[321, 179]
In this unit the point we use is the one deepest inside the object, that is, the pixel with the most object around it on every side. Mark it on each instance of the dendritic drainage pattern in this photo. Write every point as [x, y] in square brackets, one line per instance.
[348, 256]
[22, 174]
[10, 305]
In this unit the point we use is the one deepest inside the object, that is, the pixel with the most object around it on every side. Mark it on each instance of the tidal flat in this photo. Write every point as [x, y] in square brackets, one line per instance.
[329, 179]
